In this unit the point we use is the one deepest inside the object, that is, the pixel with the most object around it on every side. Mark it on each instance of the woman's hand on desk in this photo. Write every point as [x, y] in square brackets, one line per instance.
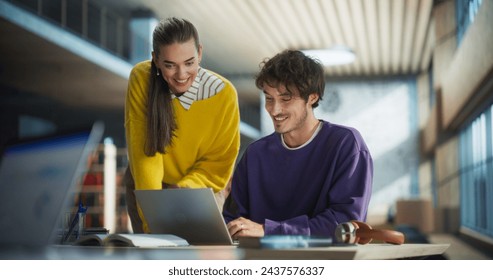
[243, 227]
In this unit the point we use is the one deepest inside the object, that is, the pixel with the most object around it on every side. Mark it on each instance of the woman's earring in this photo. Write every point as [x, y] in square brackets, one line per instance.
[157, 73]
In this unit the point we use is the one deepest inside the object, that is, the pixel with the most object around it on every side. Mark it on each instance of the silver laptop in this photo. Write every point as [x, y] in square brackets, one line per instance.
[192, 214]
[38, 179]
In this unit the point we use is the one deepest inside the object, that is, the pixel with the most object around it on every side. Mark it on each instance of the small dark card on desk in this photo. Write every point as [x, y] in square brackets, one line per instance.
[285, 242]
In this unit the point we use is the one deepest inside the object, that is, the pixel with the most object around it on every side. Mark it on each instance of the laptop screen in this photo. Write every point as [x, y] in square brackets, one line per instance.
[191, 214]
[36, 179]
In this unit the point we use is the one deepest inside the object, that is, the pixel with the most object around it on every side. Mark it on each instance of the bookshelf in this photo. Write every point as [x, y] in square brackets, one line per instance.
[102, 190]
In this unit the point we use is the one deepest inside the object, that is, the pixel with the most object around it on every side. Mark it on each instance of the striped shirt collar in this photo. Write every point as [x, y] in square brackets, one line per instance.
[205, 85]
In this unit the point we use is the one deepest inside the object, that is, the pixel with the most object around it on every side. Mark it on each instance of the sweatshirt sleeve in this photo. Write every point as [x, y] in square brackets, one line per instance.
[236, 204]
[349, 199]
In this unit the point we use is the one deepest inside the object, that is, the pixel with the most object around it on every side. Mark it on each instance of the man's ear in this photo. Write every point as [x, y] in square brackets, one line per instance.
[199, 53]
[313, 98]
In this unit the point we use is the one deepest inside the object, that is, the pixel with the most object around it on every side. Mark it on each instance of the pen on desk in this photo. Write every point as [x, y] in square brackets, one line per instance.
[80, 212]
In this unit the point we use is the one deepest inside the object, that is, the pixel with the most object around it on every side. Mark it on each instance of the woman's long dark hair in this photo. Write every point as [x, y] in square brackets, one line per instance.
[161, 123]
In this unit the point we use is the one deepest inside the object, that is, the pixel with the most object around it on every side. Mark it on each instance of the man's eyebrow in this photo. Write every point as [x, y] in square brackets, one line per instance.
[287, 93]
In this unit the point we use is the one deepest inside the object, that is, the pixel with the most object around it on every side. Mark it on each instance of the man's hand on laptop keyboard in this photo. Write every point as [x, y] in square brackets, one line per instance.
[243, 227]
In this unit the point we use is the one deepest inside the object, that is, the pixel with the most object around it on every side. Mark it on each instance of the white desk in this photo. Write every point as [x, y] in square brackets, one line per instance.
[358, 252]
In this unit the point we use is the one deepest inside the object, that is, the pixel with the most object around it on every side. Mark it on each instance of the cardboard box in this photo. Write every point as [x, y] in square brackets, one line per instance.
[417, 213]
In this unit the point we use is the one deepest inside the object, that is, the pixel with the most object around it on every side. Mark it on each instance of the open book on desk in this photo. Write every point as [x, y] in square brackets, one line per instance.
[131, 240]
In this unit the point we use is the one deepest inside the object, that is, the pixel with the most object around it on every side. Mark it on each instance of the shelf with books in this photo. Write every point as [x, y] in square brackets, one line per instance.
[122, 218]
[102, 190]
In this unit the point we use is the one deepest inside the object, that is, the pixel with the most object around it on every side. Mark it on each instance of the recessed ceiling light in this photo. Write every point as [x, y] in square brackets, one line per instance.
[337, 55]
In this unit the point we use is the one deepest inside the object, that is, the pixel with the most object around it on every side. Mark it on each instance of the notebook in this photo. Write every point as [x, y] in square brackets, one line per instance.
[191, 214]
[38, 179]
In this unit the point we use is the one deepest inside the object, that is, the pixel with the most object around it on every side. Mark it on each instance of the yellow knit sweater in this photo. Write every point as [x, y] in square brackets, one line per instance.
[206, 144]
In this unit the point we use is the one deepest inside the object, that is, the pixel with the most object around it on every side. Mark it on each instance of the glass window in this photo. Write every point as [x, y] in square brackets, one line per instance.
[476, 163]
[466, 11]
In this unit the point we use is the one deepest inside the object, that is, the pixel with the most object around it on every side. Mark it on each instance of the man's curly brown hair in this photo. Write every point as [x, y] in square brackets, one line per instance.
[293, 68]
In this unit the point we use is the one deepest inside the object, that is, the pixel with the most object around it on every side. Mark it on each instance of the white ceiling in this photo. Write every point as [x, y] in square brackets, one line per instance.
[389, 37]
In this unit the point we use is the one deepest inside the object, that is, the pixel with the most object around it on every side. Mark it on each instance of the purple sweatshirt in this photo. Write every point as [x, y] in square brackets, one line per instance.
[308, 191]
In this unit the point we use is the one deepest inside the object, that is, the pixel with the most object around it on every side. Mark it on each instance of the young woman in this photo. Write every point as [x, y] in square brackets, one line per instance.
[181, 120]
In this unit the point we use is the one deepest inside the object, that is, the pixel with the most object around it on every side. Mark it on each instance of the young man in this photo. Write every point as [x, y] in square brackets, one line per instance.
[308, 176]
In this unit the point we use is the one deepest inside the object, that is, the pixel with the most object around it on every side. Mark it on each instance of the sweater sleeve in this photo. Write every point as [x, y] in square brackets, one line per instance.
[236, 204]
[216, 165]
[349, 198]
[146, 171]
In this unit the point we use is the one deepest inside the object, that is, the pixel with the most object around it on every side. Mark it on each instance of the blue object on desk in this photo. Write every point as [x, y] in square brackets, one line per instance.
[294, 241]
[81, 211]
